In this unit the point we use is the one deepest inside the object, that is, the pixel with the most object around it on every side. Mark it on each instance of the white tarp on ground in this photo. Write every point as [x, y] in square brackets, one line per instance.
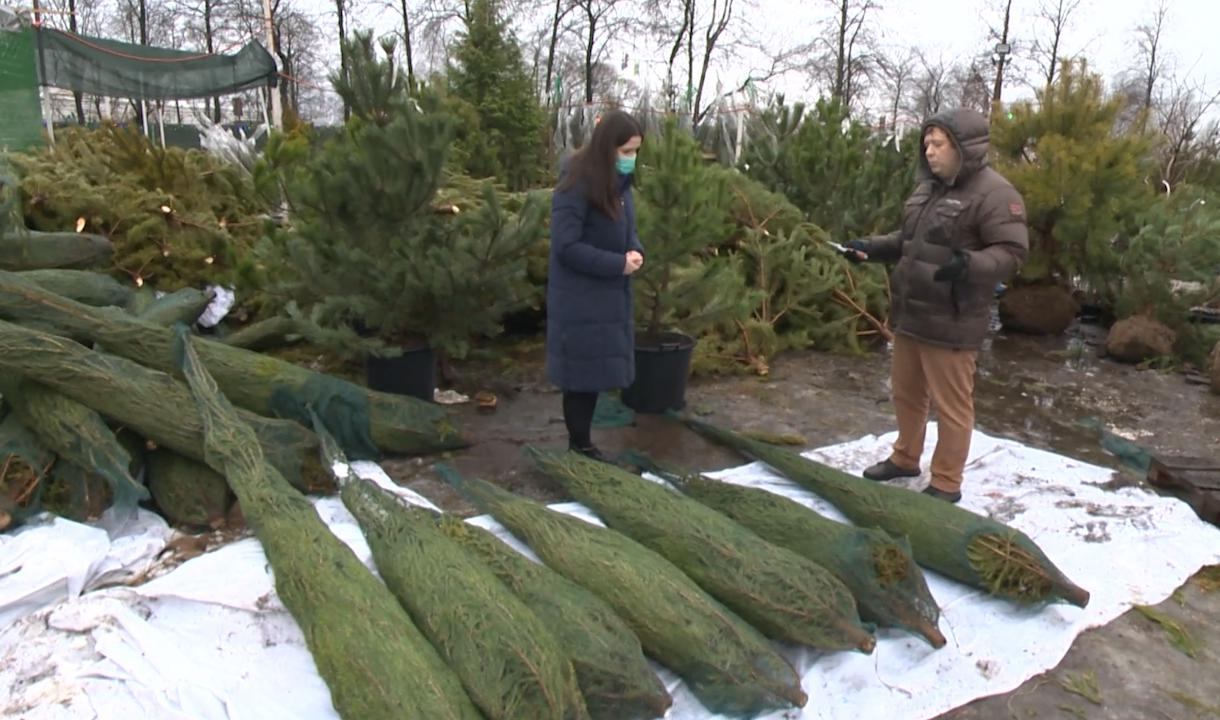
[210, 640]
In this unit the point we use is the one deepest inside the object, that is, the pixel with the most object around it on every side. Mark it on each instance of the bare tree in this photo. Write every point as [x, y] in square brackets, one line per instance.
[932, 85]
[1186, 137]
[562, 8]
[205, 23]
[898, 75]
[970, 86]
[76, 16]
[852, 51]
[1151, 54]
[718, 20]
[1049, 52]
[297, 46]
[601, 24]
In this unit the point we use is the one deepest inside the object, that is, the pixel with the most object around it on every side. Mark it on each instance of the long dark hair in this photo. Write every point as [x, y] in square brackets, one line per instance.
[593, 166]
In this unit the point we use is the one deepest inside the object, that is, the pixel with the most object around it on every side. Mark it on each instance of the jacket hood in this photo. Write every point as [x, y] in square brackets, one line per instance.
[969, 131]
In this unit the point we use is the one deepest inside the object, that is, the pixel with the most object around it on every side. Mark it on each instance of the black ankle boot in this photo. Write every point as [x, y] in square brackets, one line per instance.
[590, 452]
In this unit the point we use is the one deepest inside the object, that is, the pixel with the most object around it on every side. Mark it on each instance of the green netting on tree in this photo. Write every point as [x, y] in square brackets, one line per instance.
[150, 402]
[376, 663]
[180, 306]
[19, 102]
[264, 334]
[727, 663]
[78, 435]
[33, 250]
[615, 678]
[108, 67]
[511, 665]
[344, 406]
[779, 592]
[889, 587]
[953, 541]
[83, 286]
[362, 420]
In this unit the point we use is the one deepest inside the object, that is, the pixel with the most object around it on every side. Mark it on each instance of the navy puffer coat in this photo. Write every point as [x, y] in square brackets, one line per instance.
[590, 336]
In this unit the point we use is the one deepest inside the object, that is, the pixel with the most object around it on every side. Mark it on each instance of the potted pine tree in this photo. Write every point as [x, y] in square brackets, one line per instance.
[683, 288]
[374, 265]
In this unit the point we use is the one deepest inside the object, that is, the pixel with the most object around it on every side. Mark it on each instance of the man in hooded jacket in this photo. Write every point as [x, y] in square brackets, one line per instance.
[963, 232]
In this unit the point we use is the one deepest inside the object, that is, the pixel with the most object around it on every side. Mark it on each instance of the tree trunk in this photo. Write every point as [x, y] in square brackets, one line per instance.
[209, 39]
[550, 53]
[77, 98]
[143, 18]
[998, 88]
[673, 54]
[840, 60]
[406, 40]
[589, 44]
[715, 28]
[339, 8]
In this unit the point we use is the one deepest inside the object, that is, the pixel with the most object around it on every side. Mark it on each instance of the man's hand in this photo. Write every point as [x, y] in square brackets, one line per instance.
[855, 251]
[632, 261]
[954, 269]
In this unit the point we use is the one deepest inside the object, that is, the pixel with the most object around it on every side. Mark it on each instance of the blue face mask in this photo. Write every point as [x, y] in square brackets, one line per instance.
[625, 165]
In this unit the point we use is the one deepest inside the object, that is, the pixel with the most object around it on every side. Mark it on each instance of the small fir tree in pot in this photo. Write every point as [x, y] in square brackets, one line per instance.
[684, 287]
[370, 248]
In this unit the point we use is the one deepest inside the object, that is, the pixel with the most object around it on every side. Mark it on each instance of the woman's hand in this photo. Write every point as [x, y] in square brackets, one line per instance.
[632, 261]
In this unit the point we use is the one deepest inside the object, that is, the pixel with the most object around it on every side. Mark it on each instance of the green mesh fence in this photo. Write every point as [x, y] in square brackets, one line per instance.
[107, 67]
[21, 123]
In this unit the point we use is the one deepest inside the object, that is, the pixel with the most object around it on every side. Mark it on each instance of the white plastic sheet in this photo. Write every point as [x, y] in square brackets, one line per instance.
[211, 641]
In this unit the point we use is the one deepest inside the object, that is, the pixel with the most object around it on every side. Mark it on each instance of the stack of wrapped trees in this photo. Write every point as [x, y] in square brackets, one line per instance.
[92, 414]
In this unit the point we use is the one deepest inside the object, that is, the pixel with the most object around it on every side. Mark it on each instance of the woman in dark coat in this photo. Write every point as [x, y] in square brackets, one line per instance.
[590, 337]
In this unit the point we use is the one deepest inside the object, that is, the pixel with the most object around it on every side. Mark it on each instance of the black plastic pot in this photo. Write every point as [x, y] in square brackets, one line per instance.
[412, 373]
[662, 366]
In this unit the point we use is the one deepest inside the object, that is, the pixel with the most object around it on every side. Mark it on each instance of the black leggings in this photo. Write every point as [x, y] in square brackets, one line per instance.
[578, 410]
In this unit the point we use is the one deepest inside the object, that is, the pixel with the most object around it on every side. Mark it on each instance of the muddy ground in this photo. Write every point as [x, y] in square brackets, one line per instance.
[1035, 390]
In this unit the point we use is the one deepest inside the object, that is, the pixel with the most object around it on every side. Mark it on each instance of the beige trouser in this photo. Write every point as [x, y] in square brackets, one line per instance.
[921, 373]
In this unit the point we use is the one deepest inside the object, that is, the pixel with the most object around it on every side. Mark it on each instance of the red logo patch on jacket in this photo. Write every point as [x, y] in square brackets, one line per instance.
[1015, 209]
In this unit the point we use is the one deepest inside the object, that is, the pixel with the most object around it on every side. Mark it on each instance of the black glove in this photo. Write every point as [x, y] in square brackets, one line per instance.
[852, 248]
[954, 269]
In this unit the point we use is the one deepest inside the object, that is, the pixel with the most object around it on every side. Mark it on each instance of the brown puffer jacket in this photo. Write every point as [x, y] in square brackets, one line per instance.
[979, 213]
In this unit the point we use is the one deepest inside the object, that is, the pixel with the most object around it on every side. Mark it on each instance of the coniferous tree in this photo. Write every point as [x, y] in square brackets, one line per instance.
[489, 76]
[1081, 176]
[683, 218]
[844, 178]
[369, 246]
